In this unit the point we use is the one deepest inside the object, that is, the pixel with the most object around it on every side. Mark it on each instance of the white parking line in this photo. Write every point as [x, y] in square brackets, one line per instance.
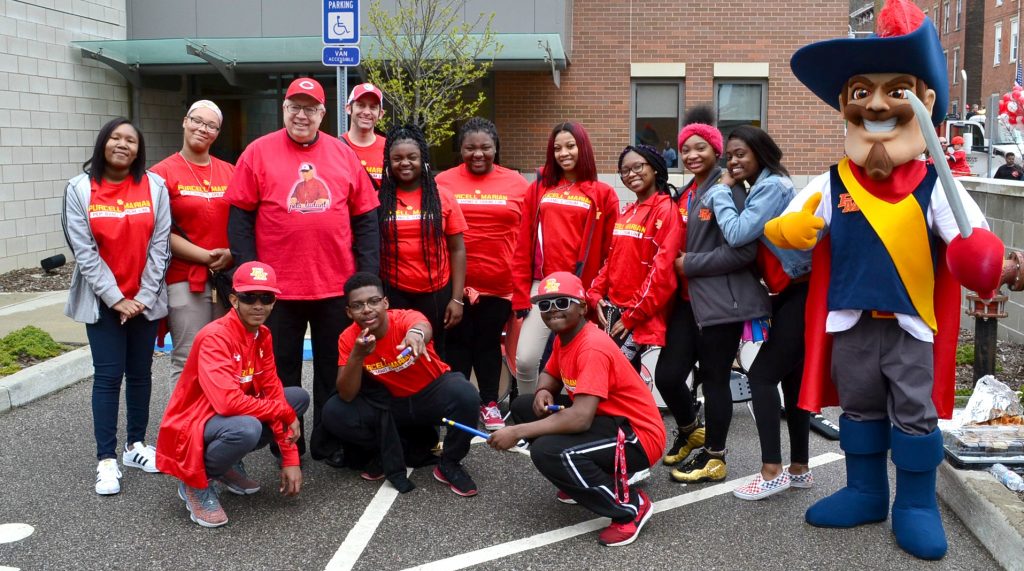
[541, 539]
[359, 536]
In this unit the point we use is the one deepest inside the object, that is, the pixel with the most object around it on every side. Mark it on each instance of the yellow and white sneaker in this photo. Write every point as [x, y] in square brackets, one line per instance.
[705, 467]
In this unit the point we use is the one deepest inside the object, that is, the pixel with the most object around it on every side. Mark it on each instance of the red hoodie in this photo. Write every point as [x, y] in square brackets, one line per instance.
[639, 275]
[566, 215]
[229, 372]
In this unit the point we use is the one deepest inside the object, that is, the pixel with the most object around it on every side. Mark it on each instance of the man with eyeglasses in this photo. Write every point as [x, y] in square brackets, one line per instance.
[610, 426]
[301, 202]
[393, 389]
[228, 402]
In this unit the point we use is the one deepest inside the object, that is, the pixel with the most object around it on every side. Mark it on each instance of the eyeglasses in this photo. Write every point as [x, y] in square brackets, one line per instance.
[307, 110]
[372, 303]
[250, 298]
[198, 123]
[559, 303]
[636, 167]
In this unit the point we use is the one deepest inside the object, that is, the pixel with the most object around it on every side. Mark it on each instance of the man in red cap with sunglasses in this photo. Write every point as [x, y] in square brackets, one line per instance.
[228, 402]
[301, 202]
[610, 428]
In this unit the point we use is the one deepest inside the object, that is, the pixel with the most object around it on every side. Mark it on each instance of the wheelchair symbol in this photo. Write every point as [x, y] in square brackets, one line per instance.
[340, 29]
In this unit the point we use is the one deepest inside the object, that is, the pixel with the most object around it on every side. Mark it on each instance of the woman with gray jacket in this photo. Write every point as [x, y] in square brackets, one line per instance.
[719, 293]
[116, 221]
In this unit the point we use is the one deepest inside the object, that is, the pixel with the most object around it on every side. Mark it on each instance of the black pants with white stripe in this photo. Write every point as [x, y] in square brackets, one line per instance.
[583, 464]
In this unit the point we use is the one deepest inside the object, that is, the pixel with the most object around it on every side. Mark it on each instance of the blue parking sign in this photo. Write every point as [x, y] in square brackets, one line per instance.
[346, 56]
[341, 22]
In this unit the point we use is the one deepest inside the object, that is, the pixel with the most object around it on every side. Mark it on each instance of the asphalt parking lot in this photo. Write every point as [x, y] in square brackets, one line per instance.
[47, 470]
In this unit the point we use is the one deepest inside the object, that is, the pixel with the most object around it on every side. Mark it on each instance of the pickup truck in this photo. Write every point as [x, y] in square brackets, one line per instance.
[976, 145]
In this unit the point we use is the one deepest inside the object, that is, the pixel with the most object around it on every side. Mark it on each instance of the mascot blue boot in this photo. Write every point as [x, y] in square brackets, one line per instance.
[915, 513]
[865, 499]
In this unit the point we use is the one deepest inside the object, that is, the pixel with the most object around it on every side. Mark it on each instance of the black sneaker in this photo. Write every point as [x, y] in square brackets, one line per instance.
[456, 478]
[373, 471]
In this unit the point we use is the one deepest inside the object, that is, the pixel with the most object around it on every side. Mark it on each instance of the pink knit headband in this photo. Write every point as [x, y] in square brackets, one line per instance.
[710, 134]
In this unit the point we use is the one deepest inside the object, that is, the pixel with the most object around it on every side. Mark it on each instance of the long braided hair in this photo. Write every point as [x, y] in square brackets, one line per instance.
[431, 218]
[657, 162]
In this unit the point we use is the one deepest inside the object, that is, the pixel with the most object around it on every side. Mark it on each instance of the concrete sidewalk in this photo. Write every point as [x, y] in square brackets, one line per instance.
[45, 311]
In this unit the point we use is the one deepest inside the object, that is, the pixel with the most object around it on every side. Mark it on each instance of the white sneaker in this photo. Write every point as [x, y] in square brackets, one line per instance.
[108, 477]
[140, 456]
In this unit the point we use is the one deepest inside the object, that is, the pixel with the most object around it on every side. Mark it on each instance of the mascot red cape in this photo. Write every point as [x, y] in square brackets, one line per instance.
[883, 307]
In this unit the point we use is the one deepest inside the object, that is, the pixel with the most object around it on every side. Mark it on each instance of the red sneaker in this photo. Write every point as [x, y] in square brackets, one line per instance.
[564, 498]
[625, 533]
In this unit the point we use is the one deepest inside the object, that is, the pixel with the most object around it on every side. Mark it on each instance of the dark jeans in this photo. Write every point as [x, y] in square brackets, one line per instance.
[120, 351]
[229, 438]
[475, 343]
[449, 396]
[326, 319]
[431, 304]
[715, 347]
[781, 358]
[583, 464]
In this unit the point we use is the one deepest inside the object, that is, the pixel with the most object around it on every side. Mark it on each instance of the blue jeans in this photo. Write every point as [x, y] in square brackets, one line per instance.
[120, 351]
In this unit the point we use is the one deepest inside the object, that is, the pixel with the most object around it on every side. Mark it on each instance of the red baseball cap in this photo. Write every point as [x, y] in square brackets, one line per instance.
[306, 86]
[255, 276]
[366, 89]
[560, 284]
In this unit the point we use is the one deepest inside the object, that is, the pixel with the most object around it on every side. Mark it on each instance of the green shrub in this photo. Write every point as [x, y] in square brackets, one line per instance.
[965, 354]
[26, 343]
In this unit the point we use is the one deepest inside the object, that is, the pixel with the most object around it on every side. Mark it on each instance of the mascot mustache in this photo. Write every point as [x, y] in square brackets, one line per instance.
[878, 165]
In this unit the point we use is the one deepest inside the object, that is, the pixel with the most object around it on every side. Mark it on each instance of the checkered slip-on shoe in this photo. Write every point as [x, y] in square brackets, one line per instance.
[758, 488]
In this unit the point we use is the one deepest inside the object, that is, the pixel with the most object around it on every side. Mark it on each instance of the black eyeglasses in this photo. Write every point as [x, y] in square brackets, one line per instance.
[372, 303]
[635, 167]
[559, 303]
[199, 123]
[249, 298]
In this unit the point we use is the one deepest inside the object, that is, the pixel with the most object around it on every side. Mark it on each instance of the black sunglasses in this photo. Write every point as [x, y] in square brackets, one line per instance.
[249, 298]
[559, 303]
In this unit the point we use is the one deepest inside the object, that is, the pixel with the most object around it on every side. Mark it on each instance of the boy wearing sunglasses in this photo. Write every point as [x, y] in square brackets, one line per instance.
[228, 402]
[393, 388]
[610, 427]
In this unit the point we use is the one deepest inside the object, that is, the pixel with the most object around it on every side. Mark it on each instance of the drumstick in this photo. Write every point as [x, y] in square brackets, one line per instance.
[554, 407]
[465, 428]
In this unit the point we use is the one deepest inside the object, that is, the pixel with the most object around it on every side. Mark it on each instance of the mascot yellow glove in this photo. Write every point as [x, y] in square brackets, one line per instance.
[796, 230]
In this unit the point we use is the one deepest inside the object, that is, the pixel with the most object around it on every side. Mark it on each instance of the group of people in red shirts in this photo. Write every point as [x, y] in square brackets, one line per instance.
[406, 282]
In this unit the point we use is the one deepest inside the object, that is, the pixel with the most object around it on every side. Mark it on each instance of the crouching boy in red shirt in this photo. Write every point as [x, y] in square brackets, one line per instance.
[612, 428]
[228, 402]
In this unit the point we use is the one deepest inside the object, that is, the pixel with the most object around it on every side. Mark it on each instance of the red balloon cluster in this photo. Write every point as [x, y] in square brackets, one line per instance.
[1011, 107]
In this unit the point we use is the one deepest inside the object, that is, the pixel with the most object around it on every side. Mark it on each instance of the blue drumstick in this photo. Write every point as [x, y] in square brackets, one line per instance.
[465, 428]
[405, 353]
[554, 407]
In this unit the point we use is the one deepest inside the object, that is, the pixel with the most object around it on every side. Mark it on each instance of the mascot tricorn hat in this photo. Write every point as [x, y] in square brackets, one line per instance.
[905, 41]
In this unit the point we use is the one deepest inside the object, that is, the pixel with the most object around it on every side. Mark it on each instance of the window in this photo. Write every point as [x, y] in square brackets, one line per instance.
[959, 10]
[956, 108]
[956, 65]
[740, 102]
[999, 2]
[656, 114]
[945, 18]
[999, 44]
[1014, 37]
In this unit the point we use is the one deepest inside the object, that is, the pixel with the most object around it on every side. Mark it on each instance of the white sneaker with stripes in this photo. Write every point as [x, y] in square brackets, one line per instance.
[140, 456]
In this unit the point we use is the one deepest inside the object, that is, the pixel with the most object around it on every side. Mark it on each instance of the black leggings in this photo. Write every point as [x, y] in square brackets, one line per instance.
[781, 358]
[715, 347]
[475, 343]
[431, 304]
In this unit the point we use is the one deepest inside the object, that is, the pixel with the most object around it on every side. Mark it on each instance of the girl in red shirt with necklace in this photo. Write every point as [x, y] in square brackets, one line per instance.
[575, 215]
[196, 182]
[422, 254]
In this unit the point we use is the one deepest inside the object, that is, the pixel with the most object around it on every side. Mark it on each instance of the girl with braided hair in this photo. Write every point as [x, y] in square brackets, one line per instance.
[636, 282]
[492, 199]
[423, 257]
[574, 217]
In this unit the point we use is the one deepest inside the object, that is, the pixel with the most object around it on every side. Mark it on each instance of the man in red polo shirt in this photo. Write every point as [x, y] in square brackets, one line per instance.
[228, 402]
[391, 349]
[611, 427]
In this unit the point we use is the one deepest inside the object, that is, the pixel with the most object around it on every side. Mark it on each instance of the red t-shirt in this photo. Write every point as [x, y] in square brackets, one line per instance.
[416, 274]
[122, 221]
[308, 243]
[198, 208]
[402, 376]
[591, 364]
[371, 157]
[494, 208]
[684, 214]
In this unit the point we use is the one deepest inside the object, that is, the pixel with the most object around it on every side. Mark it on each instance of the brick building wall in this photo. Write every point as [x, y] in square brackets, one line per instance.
[610, 35]
[998, 79]
[52, 103]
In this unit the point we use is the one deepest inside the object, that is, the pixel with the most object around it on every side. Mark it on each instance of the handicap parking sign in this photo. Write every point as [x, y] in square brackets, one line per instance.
[341, 22]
